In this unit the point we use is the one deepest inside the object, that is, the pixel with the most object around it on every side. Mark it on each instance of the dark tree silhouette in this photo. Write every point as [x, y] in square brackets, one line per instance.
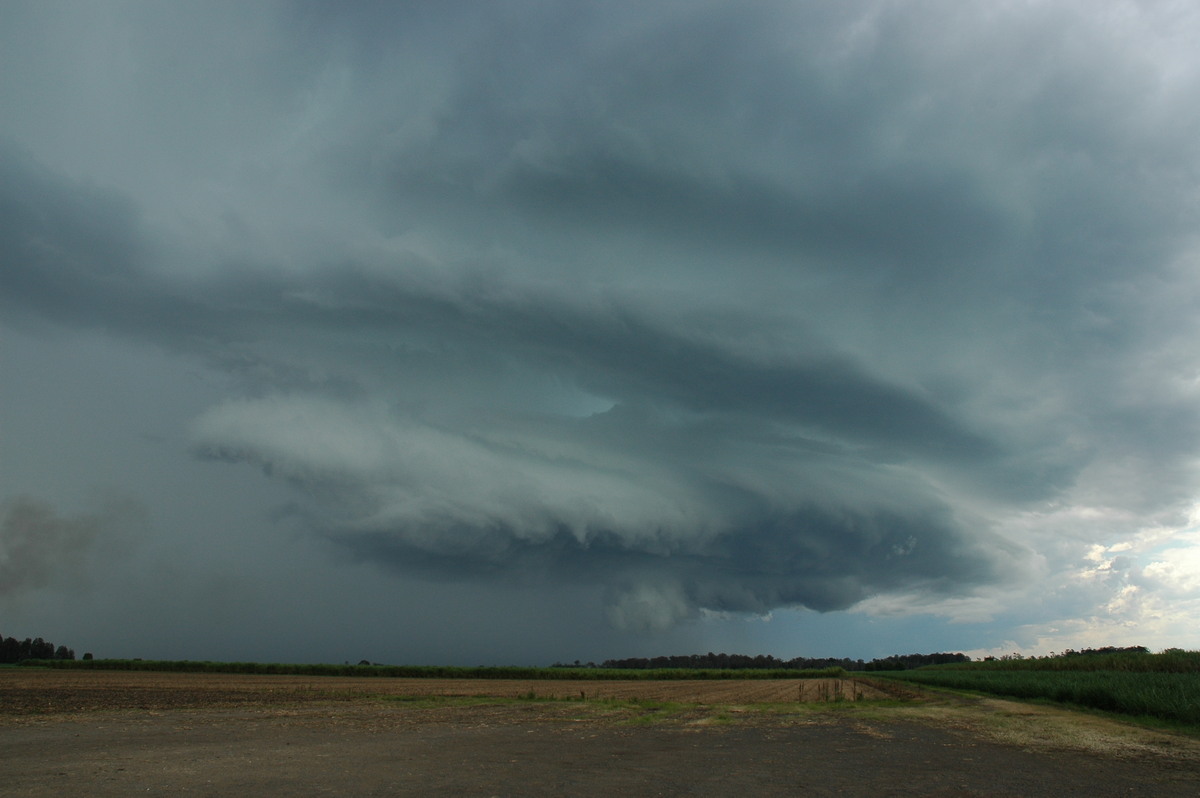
[13, 650]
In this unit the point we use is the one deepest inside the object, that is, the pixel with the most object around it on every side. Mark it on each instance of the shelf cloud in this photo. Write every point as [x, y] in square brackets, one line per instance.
[712, 311]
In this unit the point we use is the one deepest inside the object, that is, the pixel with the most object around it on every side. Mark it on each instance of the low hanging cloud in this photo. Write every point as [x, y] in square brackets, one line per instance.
[716, 309]
[672, 515]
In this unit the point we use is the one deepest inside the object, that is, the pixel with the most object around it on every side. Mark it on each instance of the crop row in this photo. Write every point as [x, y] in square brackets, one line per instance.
[1167, 696]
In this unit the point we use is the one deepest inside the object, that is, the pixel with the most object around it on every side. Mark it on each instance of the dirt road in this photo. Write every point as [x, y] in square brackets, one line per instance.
[257, 736]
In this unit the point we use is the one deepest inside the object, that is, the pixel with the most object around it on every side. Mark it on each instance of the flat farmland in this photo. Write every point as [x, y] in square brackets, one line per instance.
[116, 733]
[28, 690]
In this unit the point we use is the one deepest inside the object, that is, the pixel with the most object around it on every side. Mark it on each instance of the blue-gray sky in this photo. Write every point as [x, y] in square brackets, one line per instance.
[530, 331]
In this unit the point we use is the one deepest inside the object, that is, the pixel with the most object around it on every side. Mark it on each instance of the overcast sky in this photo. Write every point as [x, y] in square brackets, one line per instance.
[514, 332]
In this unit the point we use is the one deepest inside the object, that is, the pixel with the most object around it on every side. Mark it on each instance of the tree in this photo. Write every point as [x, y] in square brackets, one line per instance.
[13, 650]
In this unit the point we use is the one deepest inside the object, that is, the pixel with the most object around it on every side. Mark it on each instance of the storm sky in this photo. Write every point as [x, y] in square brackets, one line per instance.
[514, 332]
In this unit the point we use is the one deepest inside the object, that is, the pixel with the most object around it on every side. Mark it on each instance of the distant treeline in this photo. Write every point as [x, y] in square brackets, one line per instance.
[1135, 659]
[711, 661]
[1070, 652]
[429, 671]
[14, 650]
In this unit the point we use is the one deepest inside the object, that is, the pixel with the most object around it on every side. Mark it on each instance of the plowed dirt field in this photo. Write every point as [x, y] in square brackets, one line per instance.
[113, 733]
[39, 691]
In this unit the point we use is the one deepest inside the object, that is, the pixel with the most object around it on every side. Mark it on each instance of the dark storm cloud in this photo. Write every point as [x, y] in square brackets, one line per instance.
[721, 308]
[810, 557]
[612, 350]
[73, 253]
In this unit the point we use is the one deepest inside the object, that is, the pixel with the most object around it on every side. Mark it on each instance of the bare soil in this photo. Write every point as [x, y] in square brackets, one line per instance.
[114, 733]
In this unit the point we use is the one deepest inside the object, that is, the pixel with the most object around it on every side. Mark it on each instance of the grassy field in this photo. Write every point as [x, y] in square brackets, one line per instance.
[1161, 686]
[120, 732]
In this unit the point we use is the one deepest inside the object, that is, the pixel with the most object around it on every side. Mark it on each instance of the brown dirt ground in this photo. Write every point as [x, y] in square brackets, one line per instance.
[114, 733]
